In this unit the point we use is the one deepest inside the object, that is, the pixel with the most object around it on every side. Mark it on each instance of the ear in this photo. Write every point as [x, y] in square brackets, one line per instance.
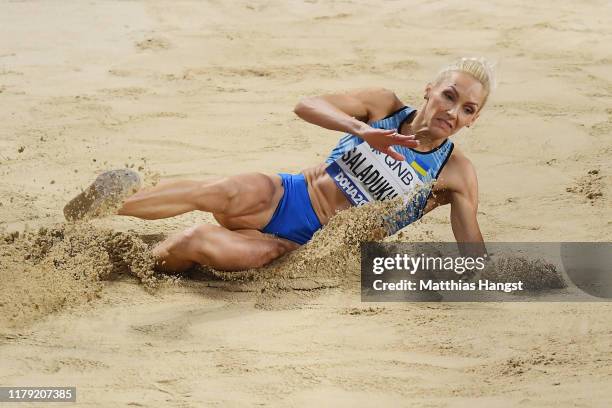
[428, 88]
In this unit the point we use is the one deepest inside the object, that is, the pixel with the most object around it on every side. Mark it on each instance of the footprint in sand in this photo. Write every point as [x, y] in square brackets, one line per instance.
[155, 43]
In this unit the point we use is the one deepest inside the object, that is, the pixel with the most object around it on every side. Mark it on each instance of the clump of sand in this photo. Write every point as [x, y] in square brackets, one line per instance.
[590, 186]
[47, 270]
[156, 43]
[536, 274]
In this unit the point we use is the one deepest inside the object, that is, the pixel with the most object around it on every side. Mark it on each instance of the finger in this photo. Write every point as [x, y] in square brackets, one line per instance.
[403, 138]
[408, 143]
[391, 152]
[386, 131]
[398, 139]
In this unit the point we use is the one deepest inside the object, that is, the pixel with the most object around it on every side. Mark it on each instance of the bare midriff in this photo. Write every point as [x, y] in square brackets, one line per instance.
[325, 197]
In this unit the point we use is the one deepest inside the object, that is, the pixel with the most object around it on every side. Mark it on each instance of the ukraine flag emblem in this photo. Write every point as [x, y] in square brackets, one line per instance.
[420, 166]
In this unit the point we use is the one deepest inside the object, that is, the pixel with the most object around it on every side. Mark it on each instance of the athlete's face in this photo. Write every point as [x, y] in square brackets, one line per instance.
[452, 103]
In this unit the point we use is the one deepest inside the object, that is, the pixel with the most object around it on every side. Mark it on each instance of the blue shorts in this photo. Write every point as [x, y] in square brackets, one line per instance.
[294, 218]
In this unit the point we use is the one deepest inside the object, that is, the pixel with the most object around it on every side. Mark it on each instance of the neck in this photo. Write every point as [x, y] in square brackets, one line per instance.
[418, 128]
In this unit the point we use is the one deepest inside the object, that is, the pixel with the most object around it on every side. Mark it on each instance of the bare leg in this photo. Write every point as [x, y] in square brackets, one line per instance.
[242, 205]
[219, 248]
[248, 198]
[170, 198]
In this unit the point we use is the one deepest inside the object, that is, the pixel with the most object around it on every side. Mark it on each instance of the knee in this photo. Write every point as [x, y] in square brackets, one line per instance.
[192, 242]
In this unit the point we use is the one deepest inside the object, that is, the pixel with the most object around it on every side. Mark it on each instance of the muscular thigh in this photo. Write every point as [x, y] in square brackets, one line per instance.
[255, 197]
[254, 234]
[234, 250]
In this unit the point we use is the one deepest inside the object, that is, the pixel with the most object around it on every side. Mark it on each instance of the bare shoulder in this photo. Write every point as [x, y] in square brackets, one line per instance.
[378, 101]
[457, 179]
[459, 174]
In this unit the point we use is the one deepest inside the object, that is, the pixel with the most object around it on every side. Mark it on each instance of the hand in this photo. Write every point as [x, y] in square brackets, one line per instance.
[383, 140]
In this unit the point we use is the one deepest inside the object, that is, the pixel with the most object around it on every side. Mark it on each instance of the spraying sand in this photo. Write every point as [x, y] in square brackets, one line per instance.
[198, 89]
[64, 265]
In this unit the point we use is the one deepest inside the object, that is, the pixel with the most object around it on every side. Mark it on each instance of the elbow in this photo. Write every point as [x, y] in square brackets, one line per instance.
[298, 108]
[302, 106]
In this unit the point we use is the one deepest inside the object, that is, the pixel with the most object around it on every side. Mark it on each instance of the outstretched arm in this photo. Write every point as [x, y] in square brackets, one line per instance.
[350, 112]
[463, 219]
[464, 207]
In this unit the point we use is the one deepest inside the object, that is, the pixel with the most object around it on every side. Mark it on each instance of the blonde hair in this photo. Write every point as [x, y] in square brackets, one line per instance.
[478, 67]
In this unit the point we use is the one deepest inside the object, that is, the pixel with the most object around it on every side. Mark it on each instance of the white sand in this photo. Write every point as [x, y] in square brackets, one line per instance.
[192, 89]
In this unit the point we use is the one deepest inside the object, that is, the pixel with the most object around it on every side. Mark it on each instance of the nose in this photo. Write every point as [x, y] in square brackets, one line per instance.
[453, 111]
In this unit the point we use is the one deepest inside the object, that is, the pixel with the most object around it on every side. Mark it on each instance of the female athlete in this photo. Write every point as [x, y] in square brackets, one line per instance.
[389, 150]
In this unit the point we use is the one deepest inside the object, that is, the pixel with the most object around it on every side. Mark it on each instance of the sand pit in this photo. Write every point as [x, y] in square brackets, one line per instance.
[63, 266]
[200, 89]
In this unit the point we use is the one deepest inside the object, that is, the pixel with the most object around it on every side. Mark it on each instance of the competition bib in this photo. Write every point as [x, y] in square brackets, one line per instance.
[364, 174]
